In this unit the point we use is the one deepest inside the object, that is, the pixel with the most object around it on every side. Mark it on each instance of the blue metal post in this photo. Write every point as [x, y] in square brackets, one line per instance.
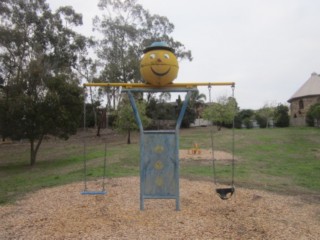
[135, 111]
[159, 155]
[139, 122]
[183, 110]
[178, 124]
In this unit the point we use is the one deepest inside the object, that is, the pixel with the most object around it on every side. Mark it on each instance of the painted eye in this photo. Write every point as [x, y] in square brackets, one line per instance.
[152, 56]
[166, 56]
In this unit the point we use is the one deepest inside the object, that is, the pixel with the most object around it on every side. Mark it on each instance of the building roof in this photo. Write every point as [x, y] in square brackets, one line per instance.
[310, 88]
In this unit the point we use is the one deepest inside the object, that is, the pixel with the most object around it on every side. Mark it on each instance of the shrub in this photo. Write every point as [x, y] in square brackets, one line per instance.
[281, 116]
[313, 115]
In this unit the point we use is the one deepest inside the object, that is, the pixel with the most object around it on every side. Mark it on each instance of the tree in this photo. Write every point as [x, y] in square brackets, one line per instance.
[264, 115]
[245, 117]
[125, 118]
[158, 109]
[222, 112]
[313, 115]
[38, 52]
[189, 115]
[164, 97]
[197, 101]
[88, 70]
[151, 108]
[127, 29]
[261, 119]
[281, 116]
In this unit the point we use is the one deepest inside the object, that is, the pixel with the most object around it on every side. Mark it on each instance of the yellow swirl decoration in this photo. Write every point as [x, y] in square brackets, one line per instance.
[158, 165]
[159, 181]
[159, 149]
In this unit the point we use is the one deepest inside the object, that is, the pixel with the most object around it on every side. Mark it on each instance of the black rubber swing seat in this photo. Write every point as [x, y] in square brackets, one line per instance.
[225, 193]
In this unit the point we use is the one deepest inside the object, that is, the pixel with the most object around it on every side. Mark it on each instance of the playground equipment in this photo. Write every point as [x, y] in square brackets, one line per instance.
[195, 149]
[159, 65]
[159, 149]
[86, 191]
[224, 193]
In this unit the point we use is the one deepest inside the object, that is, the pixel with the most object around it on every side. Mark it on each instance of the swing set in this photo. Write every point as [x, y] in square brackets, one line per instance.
[224, 193]
[159, 149]
[86, 191]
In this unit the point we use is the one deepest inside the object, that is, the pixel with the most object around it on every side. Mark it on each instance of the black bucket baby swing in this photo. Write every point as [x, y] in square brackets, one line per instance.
[224, 193]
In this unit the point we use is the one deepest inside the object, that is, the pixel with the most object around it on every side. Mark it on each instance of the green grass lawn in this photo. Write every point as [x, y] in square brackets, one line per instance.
[283, 160]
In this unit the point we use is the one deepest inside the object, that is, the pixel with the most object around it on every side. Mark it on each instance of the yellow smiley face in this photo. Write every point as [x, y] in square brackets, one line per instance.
[159, 67]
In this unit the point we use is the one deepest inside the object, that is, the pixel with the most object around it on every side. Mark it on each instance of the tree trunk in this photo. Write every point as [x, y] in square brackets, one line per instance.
[33, 154]
[98, 130]
[129, 139]
[34, 150]
[102, 123]
[99, 125]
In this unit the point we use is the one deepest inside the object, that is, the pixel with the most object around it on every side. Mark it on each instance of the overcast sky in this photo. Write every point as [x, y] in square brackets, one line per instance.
[268, 47]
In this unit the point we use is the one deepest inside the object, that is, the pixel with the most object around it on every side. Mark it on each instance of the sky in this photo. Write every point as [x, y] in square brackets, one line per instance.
[269, 48]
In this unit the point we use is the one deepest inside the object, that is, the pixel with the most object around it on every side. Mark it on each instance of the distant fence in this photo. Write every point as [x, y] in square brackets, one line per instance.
[200, 122]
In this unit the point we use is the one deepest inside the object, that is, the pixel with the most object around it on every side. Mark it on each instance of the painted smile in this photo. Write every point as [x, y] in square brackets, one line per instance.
[160, 74]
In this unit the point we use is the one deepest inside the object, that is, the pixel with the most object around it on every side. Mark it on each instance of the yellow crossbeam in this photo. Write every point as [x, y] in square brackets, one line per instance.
[171, 85]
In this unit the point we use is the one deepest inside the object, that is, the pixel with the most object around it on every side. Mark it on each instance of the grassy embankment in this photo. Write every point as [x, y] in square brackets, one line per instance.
[283, 160]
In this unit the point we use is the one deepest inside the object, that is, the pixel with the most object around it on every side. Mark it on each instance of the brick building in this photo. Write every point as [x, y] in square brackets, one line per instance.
[300, 102]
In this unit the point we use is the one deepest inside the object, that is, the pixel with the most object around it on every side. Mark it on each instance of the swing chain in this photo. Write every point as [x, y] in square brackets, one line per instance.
[212, 143]
[85, 191]
[84, 140]
[105, 149]
[224, 193]
[233, 136]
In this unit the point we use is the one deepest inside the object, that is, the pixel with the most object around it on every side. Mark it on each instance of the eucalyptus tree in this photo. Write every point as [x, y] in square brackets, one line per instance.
[127, 29]
[88, 70]
[125, 120]
[38, 54]
[221, 112]
[265, 114]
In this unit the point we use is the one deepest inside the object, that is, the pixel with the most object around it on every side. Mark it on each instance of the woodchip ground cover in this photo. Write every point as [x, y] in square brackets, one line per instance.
[277, 177]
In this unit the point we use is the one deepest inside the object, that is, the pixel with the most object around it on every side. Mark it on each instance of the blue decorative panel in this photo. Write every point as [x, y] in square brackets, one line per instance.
[159, 155]
[159, 165]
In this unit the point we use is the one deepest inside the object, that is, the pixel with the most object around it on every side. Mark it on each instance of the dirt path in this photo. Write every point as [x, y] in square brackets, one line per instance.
[204, 155]
[62, 213]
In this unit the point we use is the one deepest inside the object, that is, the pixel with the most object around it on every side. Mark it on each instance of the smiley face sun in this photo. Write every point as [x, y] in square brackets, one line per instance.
[159, 65]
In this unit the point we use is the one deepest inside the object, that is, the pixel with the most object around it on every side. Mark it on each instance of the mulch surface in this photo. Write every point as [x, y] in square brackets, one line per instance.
[63, 213]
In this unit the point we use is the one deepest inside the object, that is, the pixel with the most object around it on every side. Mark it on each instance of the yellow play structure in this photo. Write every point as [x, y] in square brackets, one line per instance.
[159, 68]
[159, 150]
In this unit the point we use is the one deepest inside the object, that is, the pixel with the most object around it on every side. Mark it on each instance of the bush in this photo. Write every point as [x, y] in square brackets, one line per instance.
[248, 123]
[281, 116]
[244, 117]
[262, 121]
[313, 115]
